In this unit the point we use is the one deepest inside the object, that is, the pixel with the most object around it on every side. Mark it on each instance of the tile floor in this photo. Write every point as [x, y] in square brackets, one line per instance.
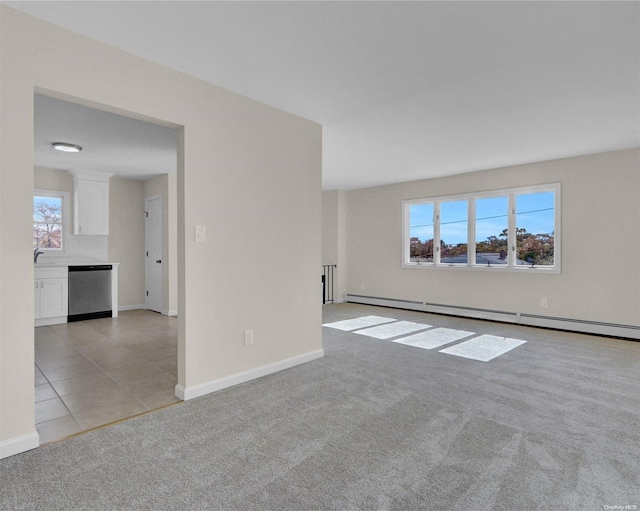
[92, 373]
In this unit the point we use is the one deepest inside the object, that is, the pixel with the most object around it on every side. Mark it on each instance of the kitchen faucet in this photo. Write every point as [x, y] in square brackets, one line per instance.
[36, 253]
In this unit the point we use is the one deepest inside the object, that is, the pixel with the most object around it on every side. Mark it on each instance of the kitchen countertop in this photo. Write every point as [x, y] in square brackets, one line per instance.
[71, 262]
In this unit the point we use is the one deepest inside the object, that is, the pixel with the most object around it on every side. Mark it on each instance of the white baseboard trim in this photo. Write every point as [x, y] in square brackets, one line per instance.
[573, 325]
[235, 379]
[143, 306]
[132, 307]
[50, 321]
[19, 444]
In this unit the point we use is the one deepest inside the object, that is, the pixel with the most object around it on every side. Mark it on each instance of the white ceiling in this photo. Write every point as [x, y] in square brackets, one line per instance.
[110, 143]
[404, 90]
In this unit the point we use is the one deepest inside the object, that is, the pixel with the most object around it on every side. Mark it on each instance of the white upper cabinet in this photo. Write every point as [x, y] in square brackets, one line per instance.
[91, 202]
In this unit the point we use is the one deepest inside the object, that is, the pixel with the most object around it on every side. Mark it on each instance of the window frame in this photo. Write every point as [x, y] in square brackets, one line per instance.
[470, 265]
[64, 224]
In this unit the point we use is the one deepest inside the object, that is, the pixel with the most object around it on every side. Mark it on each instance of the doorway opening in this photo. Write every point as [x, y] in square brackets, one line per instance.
[95, 372]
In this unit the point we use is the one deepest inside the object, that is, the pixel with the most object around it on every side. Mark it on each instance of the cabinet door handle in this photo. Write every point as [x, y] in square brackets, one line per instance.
[41, 284]
[158, 261]
[37, 284]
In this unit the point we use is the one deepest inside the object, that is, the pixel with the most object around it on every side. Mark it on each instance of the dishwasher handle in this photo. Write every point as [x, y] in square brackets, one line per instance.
[94, 267]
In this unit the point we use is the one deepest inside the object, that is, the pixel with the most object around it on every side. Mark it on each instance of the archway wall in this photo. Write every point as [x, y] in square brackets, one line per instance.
[250, 174]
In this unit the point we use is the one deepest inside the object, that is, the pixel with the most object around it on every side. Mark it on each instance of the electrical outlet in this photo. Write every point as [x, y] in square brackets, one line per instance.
[543, 303]
[248, 337]
[361, 285]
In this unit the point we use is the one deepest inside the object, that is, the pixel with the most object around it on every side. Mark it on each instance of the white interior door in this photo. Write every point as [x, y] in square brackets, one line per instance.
[154, 262]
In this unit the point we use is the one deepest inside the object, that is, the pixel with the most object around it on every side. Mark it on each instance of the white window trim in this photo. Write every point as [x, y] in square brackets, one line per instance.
[65, 196]
[470, 265]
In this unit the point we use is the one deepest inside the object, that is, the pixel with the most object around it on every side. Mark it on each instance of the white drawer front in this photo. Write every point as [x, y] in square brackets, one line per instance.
[53, 272]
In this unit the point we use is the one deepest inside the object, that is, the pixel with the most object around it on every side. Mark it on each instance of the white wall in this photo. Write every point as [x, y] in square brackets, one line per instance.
[126, 239]
[600, 279]
[250, 173]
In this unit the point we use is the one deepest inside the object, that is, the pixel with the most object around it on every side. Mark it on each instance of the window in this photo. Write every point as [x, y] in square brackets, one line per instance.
[453, 232]
[492, 227]
[421, 233]
[535, 230]
[48, 220]
[511, 229]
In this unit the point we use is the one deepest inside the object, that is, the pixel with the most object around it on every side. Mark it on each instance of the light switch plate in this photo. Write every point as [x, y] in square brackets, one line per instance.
[200, 234]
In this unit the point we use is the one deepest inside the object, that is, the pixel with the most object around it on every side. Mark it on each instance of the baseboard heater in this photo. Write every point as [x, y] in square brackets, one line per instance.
[572, 325]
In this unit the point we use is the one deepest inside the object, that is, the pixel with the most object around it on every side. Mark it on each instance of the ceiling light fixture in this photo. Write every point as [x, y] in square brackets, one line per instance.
[67, 148]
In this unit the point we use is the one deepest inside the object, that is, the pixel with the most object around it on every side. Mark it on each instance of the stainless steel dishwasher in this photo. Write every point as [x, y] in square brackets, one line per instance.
[89, 292]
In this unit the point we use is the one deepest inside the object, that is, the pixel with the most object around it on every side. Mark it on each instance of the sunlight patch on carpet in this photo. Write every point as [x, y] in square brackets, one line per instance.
[434, 338]
[392, 330]
[483, 347]
[356, 323]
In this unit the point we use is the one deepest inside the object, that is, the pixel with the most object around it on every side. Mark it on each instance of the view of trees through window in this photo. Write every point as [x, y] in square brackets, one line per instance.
[535, 234]
[492, 227]
[421, 242]
[534, 237]
[47, 222]
[453, 232]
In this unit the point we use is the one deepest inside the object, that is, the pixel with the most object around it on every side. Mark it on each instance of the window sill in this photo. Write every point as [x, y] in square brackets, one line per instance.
[483, 268]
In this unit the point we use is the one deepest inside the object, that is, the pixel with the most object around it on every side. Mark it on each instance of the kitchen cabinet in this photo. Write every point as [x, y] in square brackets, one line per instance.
[91, 202]
[51, 299]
